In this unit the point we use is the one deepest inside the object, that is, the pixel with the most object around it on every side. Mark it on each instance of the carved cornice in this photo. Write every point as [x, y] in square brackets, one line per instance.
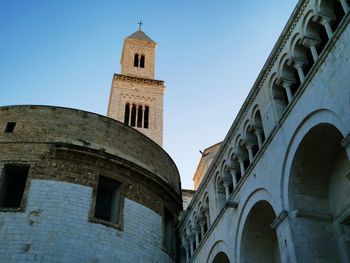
[138, 80]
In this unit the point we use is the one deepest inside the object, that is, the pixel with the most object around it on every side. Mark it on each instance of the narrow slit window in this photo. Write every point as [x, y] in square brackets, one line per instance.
[139, 117]
[146, 117]
[12, 187]
[133, 116]
[10, 126]
[142, 61]
[107, 200]
[126, 114]
[136, 60]
[168, 231]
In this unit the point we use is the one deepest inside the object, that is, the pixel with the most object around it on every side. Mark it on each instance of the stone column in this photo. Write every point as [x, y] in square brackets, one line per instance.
[311, 44]
[207, 218]
[227, 189]
[287, 86]
[298, 65]
[325, 20]
[249, 146]
[241, 165]
[137, 115]
[202, 222]
[130, 110]
[143, 116]
[258, 132]
[233, 171]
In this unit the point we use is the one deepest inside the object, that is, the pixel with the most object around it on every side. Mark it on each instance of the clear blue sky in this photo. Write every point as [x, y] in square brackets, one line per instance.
[64, 52]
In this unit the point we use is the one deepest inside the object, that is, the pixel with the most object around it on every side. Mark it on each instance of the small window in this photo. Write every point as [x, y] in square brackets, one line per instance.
[10, 126]
[12, 187]
[142, 61]
[139, 116]
[146, 117]
[133, 116]
[107, 200]
[168, 231]
[136, 60]
[126, 114]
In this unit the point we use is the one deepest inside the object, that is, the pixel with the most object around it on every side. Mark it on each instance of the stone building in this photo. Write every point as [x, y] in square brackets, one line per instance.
[80, 187]
[278, 189]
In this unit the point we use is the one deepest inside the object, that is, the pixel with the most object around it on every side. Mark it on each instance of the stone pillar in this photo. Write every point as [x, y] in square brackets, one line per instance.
[187, 249]
[202, 222]
[227, 189]
[258, 132]
[325, 20]
[137, 115]
[143, 116]
[298, 65]
[233, 171]
[287, 86]
[130, 110]
[249, 146]
[311, 44]
[241, 165]
[207, 218]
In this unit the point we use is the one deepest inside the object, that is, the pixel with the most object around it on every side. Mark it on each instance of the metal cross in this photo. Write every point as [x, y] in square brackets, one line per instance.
[140, 25]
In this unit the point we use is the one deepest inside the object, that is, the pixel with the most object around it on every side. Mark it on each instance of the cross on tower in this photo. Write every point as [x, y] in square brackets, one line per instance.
[140, 24]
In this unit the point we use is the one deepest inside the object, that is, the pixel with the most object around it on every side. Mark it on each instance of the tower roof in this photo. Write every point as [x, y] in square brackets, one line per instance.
[140, 35]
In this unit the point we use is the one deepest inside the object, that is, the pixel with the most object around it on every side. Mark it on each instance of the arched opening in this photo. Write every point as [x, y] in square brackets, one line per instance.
[127, 113]
[259, 240]
[136, 60]
[139, 116]
[280, 98]
[142, 61]
[221, 257]
[133, 116]
[259, 128]
[319, 192]
[146, 117]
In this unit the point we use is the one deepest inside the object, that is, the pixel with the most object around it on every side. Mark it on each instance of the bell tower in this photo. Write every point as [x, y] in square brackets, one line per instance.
[136, 98]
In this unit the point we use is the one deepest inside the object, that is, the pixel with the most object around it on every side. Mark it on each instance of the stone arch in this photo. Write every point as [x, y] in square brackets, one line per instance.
[256, 241]
[277, 95]
[227, 178]
[218, 251]
[258, 125]
[315, 185]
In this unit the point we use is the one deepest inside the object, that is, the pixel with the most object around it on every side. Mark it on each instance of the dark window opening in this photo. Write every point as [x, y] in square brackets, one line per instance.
[296, 85]
[10, 126]
[230, 188]
[133, 116]
[255, 150]
[126, 114]
[12, 187]
[136, 60]
[324, 40]
[139, 117]
[107, 200]
[168, 231]
[142, 61]
[307, 66]
[339, 12]
[145, 122]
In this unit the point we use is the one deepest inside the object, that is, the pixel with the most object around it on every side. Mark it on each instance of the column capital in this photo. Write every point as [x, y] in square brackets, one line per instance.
[309, 41]
[323, 18]
[299, 62]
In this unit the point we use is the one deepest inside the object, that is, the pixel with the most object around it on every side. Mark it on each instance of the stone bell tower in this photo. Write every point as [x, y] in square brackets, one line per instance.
[136, 98]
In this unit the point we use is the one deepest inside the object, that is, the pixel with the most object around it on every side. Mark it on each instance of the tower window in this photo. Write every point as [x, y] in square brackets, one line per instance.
[133, 116]
[168, 231]
[139, 117]
[12, 187]
[146, 116]
[10, 126]
[136, 60]
[126, 114]
[107, 200]
[142, 61]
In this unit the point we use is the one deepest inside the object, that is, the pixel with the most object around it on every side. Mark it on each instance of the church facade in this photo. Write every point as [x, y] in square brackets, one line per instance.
[278, 189]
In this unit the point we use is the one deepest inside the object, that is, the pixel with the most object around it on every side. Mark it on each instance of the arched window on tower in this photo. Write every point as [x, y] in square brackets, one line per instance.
[142, 61]
[126, 114]
[146, 117]
[136, 60]
[139, 116]
[133, 116]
